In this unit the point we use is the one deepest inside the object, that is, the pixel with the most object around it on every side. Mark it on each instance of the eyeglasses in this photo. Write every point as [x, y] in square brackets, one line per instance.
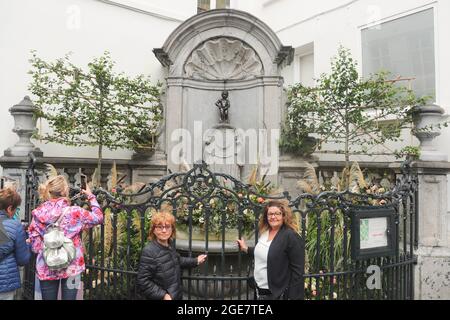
[274, 214]
[159, 227]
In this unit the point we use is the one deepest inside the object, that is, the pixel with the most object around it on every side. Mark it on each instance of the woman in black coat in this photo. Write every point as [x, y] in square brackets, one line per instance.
[279, 254]
[159, 274]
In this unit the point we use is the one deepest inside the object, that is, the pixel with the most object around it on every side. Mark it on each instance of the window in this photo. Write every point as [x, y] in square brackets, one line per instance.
[404, 47]
[222, 4]
[205, 5]
[304, 65]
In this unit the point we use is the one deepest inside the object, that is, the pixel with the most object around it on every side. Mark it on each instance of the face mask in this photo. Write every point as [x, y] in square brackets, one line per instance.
[17, 215]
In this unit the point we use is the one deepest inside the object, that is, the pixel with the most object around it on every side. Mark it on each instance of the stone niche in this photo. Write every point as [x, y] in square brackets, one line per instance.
[209, 53]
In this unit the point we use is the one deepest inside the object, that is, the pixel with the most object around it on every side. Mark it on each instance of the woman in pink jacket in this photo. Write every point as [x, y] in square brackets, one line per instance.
[76, 219]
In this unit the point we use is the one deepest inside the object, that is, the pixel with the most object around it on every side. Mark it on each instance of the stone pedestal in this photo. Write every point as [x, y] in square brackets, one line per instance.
[147, 171]
[24, 126]
[426, 129]
[222, 146]
[291, 171]
[432, 272]
[16, 169]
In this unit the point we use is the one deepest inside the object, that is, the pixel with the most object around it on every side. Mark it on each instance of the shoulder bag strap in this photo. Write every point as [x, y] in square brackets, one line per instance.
[56, 223]
[4, 238]
[3, 234]
[64, 211]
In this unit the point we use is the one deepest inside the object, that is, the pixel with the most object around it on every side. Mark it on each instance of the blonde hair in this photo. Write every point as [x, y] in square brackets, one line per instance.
[162, 217]
[55, 187]
[289, 219]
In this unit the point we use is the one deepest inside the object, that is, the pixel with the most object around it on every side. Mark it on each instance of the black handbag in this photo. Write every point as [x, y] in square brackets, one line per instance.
[251, 282]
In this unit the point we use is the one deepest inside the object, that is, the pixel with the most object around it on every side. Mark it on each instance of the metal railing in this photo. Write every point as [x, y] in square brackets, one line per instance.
[213, 210]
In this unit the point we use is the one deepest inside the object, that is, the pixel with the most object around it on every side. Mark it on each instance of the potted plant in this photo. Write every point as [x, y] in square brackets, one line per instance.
[144, 144]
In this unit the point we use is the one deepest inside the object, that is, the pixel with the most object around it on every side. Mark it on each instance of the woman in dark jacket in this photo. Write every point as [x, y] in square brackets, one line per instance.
[159, 275]
[14, 251]
[279, 254]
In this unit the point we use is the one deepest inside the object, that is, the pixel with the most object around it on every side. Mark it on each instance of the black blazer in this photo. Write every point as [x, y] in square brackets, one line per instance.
[285, 264]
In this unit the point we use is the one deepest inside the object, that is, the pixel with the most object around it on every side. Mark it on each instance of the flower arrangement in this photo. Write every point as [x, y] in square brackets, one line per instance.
[227, 210]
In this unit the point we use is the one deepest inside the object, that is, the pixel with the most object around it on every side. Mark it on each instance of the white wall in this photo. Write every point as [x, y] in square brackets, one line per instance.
[87, 28]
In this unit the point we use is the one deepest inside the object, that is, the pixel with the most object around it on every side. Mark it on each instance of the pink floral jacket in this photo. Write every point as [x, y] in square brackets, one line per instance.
[76, 220]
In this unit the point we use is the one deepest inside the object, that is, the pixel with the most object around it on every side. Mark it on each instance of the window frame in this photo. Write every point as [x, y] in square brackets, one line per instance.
[404, 14]
[212, 6]
[301, 52]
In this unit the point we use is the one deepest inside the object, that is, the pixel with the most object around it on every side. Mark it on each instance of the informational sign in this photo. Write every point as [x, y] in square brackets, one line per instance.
[373, 233]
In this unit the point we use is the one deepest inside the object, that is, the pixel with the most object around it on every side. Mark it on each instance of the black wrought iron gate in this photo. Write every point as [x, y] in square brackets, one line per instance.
[213, 210]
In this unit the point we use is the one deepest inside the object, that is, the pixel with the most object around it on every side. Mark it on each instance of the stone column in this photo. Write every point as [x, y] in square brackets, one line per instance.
[173, 122]
[269, 150]
[432, 272]
[16, 160]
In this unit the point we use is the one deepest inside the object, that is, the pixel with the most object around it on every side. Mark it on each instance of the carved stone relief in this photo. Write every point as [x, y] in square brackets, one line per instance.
[223, 59]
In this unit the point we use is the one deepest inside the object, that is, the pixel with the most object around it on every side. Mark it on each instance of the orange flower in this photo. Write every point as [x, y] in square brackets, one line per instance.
[261, 200]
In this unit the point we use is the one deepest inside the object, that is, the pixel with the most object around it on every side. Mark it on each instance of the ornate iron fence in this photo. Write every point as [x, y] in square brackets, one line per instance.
[213, 210]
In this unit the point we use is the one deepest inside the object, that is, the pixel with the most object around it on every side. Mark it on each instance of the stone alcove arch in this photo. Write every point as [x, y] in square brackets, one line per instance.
[248, 59]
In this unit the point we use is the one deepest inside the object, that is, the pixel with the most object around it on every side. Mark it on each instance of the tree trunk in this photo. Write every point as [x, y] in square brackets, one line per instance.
[99, 166]
[347, 155]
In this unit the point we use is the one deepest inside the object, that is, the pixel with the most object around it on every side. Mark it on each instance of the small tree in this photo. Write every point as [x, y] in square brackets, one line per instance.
[96, 107]
[347, 110]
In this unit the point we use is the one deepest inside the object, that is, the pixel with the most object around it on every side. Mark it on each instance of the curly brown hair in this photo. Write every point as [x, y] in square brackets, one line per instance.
[162, 217]
[289, 219]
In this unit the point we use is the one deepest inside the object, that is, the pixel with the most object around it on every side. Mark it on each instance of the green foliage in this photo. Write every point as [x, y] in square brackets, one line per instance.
[94, 107]
[347, 110]
[408, 151]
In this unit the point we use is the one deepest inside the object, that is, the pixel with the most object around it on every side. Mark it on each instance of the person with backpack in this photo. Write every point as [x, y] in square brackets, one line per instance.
[55, 234]
[14, 251]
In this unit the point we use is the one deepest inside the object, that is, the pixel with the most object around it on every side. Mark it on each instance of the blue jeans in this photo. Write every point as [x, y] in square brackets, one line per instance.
[7, 295]
[50, 288]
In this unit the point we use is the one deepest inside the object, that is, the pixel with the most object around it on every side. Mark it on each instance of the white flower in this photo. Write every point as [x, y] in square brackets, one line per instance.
[334, 295]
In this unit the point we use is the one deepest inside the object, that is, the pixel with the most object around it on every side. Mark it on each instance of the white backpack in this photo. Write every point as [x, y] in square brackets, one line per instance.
[59, 251]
